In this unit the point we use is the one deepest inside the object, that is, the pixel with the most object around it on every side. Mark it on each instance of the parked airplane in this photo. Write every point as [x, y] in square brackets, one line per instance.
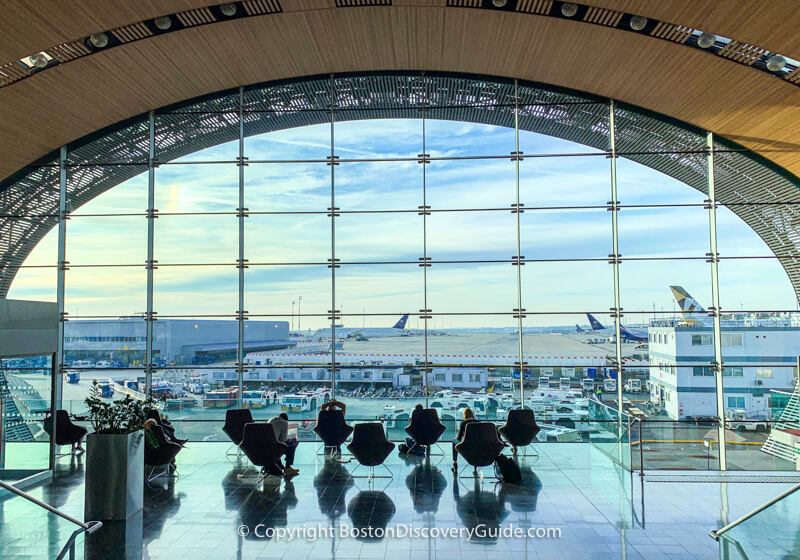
[632, 335]
[578, 329]
[398, 329]
[691, 309]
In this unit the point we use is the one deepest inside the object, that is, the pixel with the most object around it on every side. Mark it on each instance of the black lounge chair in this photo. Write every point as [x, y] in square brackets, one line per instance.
[161, 456]
[520, 428]
[481, 446]
[425, 428]
[67, 433]
[261, 447]
[332, 429]
[235, 421]
[370, 447]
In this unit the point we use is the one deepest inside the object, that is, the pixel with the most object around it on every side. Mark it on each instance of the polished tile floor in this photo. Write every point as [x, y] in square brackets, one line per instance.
[600, 510]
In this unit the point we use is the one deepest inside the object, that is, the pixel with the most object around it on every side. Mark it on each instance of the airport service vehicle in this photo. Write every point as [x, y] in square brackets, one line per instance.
[221, 398]
[197, 386]
[550, 432]
[565, 383]
[82, 364]
[395, 417]
[736, 419]
[587, 384]
[258, 398]
[633, 386]
[454, 400]
[103, 364]
[609, 385]
[73, 376]
[180, 403]
[505, 382]
[544, 382]
[106, 390]
[305, 401]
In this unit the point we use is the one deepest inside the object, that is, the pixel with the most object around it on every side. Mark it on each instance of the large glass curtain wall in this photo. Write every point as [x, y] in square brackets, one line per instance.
[285, 246]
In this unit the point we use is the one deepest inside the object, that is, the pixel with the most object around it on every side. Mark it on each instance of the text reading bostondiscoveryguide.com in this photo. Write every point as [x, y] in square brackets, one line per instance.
[400, 531]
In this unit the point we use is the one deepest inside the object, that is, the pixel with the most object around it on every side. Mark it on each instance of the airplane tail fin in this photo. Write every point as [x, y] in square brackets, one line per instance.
[401, 324]
[687, 303]
[596, 325]
[578, 329]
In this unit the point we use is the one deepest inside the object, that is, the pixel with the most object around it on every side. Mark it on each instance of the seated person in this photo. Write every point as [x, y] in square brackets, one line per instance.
[169, 430]
[469, 417]
[410, 446]
[280, 424]
[151, 440]
[333, 404]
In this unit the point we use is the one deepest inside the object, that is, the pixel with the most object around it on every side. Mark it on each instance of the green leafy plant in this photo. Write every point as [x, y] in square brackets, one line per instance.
[115, 417]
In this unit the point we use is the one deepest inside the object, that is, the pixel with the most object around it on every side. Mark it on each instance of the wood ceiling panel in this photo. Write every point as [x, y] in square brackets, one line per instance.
[67, 102]
[774, 24]
[30, 26]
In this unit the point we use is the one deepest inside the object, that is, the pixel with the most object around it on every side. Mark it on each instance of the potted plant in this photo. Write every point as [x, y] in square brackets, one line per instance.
[114, 457]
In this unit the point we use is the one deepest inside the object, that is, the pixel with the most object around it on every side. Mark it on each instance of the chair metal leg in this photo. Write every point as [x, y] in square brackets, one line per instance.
[515, 452]
[372, 475]
[476, 474]
[167, 473]
[234, 450]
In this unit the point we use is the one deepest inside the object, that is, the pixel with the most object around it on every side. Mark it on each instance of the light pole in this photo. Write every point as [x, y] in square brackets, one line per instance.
[298, 313]
[292, 316]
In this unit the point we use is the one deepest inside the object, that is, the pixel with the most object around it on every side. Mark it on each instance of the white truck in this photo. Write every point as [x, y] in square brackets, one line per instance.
[633, 386]
[736, 419]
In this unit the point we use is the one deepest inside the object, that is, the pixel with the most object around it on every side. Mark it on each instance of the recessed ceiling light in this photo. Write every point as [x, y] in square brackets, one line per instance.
[706, 40]
[569, 9]
[775, 63]
[99, 40]
[163, 22]
[228, 9]
[638, 23]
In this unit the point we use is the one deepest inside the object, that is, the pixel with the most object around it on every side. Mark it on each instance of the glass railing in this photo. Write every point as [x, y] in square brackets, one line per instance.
[609, 431]
[773, 532]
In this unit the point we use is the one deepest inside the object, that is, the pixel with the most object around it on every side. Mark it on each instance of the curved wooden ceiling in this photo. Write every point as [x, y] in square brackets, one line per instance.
[67, 102]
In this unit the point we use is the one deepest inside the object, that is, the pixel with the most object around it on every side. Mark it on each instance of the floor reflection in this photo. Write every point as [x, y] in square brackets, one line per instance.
[261, 507]
[370, 510]
[426, 485]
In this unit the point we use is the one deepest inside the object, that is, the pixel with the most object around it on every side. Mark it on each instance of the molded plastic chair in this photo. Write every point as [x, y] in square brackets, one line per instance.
[520, 428]
[332, 428]
[235, 421]
[481, 445]
[370, 447]
[261, 447]
[161, 456]
[425, 428]
[67, 433]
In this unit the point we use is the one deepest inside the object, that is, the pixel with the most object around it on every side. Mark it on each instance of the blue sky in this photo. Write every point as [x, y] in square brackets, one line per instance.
[207, 244]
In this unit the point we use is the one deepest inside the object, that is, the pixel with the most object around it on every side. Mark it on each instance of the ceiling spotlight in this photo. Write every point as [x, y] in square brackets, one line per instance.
[569, 9]
[99, 40]
[638, 23]
[706, 40]
[228, 9]
[775, 63]
[39, 60]
[163, 22]
[499, 3]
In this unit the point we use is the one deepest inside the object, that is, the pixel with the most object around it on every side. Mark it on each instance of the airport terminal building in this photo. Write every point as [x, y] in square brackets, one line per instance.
[185, 184]
[122, 342]
[757, 359]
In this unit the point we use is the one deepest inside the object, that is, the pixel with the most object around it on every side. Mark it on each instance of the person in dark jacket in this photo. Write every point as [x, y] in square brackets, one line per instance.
[469, 417]
[410, 446]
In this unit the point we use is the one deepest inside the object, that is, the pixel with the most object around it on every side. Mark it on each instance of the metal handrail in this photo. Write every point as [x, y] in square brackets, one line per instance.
[716, 534]
[83, 527]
